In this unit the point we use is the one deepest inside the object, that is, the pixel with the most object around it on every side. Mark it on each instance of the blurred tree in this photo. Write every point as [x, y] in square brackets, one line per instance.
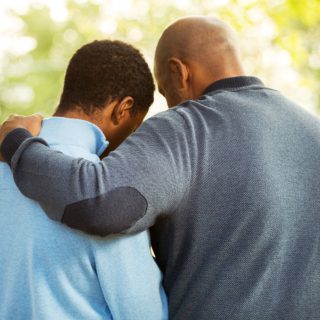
[33, 80]
[275, 35]
[298, 32]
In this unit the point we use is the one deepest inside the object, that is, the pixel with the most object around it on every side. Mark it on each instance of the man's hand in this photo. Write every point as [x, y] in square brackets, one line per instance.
[30, 123]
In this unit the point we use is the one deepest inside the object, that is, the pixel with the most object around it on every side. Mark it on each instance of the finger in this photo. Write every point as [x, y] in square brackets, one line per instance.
[38, 115]
[13, 115]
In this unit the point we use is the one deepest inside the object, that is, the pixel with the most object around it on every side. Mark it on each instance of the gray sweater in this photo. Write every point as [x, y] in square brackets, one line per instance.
[228, 183]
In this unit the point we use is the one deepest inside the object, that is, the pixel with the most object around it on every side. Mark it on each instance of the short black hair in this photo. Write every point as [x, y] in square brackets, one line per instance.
[104, 71]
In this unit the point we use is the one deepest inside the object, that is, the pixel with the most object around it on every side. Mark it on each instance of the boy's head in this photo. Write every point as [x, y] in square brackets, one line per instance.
[110, 84]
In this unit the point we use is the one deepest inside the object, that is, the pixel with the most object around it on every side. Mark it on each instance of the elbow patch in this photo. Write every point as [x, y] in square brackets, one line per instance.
[108, 213]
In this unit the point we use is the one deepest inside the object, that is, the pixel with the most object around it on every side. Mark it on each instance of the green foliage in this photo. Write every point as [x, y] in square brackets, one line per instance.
[32, 81]
[298, 32]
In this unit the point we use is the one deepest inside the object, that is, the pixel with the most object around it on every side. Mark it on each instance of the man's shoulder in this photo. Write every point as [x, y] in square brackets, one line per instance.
[164, 122]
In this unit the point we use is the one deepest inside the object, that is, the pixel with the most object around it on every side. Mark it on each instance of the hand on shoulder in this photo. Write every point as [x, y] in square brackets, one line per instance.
[31, 123]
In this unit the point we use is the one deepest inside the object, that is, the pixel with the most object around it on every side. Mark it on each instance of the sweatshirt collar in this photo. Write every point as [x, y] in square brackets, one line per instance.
[233, 83]
[75, 132]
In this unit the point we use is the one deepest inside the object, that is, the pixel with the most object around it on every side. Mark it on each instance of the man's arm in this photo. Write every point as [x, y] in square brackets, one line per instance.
[15, 122]
[144, 178]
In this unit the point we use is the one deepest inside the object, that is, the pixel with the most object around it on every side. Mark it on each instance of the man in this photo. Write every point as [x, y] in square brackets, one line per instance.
[48, 271]
[228, 179]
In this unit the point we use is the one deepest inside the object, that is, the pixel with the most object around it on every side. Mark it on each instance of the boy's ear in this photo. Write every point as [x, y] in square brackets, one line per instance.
[122, 110]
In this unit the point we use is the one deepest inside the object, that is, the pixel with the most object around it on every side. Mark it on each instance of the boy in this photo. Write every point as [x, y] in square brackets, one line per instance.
[107, 92]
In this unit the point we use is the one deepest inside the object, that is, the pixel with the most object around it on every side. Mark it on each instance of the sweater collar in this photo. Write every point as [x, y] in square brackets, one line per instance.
[233, 83]
[75, 132]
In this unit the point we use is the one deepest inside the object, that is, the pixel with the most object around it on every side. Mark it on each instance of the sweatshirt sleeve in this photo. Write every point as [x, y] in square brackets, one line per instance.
[146, 177]
[129, 277]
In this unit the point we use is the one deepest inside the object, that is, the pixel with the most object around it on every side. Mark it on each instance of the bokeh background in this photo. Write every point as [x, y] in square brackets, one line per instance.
[280, 42]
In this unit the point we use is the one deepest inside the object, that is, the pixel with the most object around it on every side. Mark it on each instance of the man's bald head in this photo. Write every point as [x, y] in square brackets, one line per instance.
[206, 46]
[196, 38]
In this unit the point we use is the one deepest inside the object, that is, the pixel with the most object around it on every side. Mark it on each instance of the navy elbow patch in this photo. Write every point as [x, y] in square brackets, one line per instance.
[108, 213]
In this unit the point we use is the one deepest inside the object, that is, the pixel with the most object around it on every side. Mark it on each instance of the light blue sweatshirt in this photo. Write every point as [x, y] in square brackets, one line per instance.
[48, 271]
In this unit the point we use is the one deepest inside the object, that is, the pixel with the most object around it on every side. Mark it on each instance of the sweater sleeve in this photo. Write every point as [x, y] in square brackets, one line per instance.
[146, 177]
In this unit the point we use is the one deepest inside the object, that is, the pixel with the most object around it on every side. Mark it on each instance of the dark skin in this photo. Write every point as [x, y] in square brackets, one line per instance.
[116, 120]
[191, 54]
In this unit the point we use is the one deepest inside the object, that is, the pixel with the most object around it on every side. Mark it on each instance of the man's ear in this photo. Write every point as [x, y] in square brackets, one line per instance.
[180, 70]
[122, 109]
